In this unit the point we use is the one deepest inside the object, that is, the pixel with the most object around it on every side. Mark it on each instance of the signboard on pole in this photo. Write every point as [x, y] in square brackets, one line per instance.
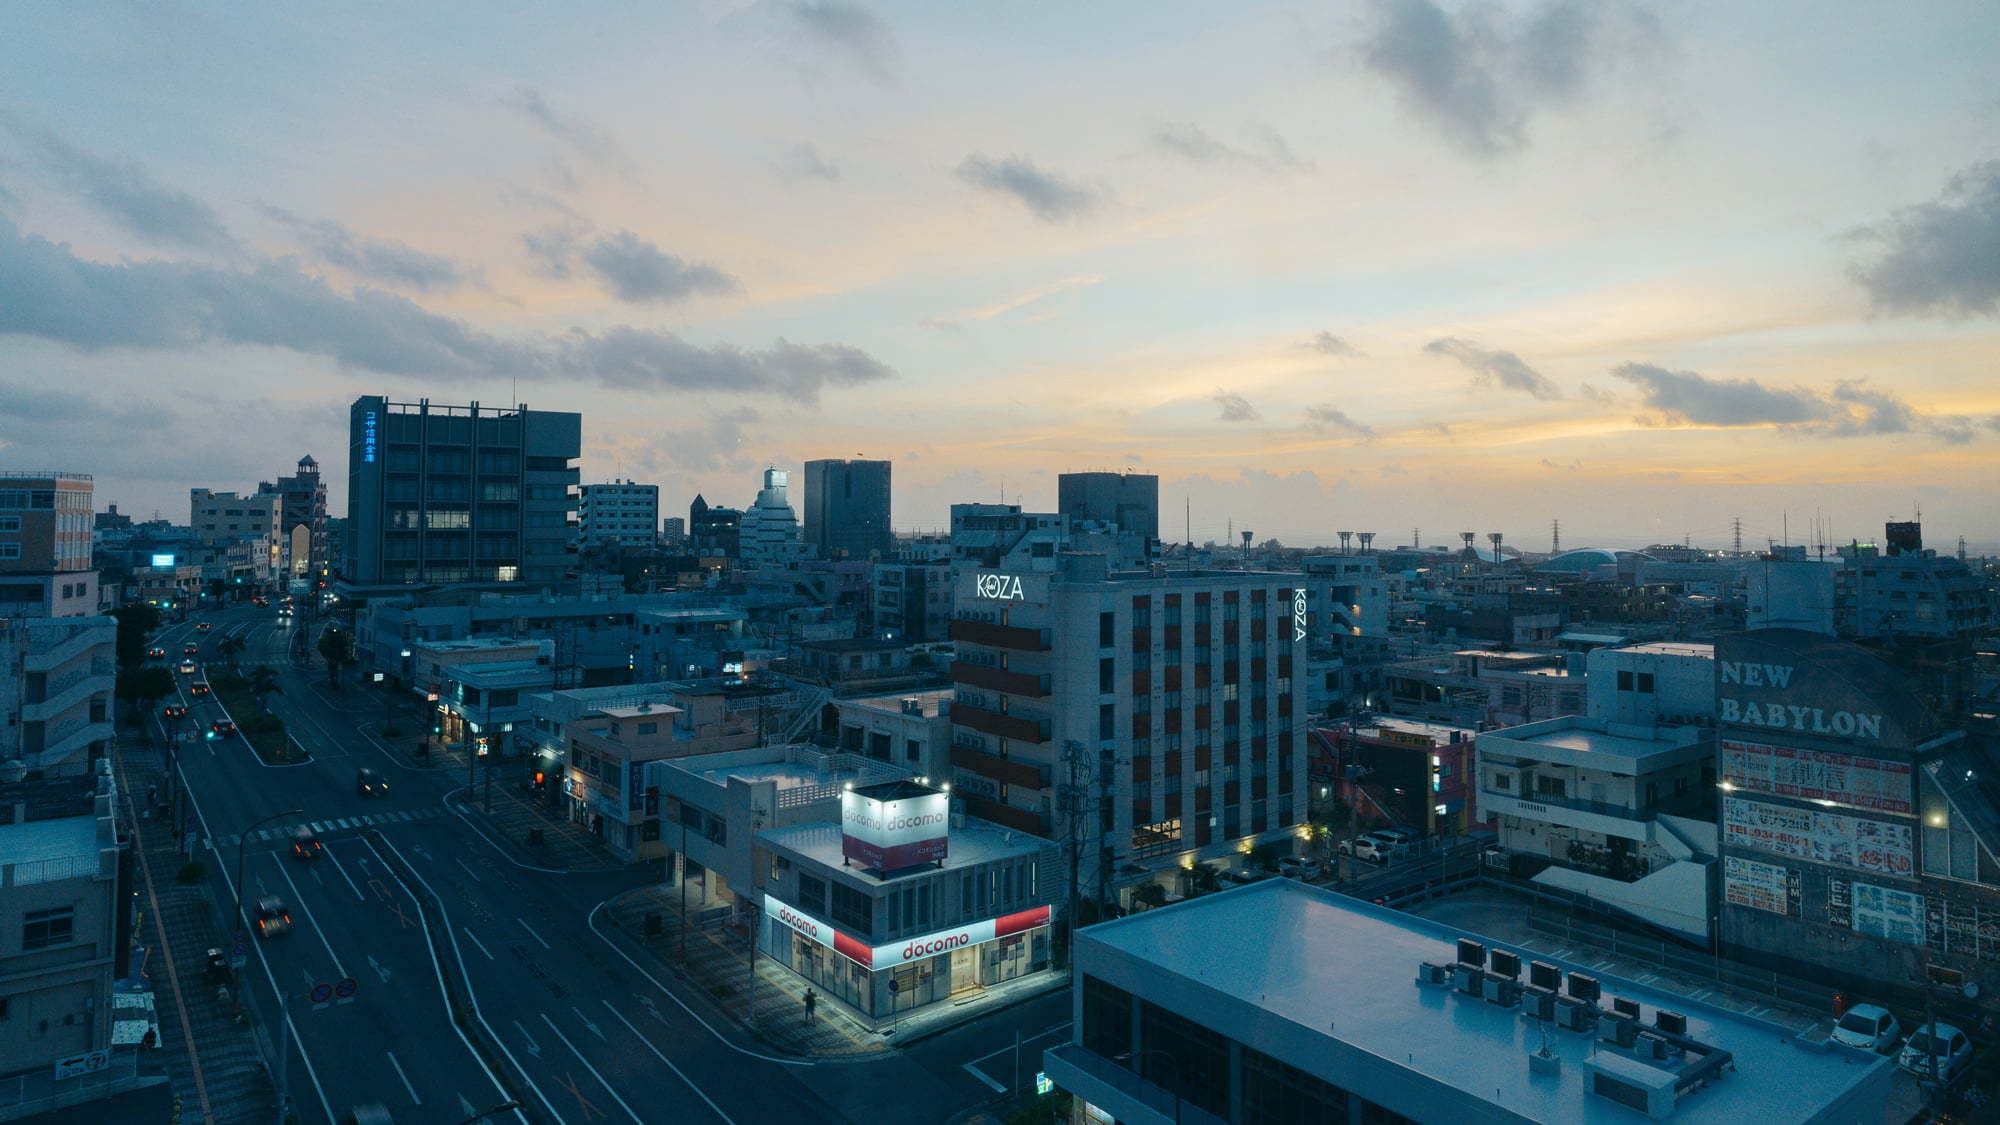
[89, 1062]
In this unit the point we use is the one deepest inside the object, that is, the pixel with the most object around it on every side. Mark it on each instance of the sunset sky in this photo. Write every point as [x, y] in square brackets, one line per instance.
[1373, 266]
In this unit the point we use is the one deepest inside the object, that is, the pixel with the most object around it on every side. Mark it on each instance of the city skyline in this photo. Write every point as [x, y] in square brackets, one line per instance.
[1382, 267]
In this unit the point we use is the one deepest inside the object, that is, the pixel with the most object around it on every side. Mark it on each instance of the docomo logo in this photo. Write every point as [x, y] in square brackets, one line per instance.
[931, 946]
[1000, 587]
[863, 815]
[798, 922]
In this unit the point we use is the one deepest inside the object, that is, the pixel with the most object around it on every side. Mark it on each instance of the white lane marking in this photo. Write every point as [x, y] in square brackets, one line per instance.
[475, 940]
[998, 1087]
[591, 920]
[534, 1048]
[345, 875]
[404, 1077]
[307, 911]
[590, 1068]
[699, 1092]
[586, 1022]
[532, 933]
[474, 874]
[444, 997]
[1061, 1027]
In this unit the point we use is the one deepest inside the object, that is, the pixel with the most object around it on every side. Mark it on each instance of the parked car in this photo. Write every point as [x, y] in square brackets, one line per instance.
[305, 845]
[223, 728]
[1401, 841]
[368, 783]
[1236, 878]
[156, 654]
[1370, 847]
[1936, 1050]
[273, 918]
[1299, 867]
[1869, 1027]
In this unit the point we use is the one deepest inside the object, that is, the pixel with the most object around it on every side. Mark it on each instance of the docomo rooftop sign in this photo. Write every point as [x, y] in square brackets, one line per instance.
[891, 835]
[1781, 714]
[913, 949]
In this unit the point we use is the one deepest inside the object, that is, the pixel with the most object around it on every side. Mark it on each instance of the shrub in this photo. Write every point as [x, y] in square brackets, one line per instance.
[192, 872]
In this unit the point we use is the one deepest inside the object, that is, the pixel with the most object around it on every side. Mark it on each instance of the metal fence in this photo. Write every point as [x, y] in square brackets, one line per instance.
[1672, 958]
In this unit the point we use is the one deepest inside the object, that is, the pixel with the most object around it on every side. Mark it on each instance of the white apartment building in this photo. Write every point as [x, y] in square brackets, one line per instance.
[219, 518]
[619, 514]
[1164, 699]
[57, 676]
[1666, 682]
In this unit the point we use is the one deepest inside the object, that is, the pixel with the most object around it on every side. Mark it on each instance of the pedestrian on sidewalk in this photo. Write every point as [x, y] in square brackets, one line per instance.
[812, 1002]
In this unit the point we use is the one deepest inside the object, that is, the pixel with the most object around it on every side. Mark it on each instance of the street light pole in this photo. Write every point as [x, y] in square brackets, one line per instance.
[242, 934]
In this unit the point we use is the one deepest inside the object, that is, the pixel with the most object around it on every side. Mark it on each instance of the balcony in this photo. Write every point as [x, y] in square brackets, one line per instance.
[1016, 727]
[1130, 1097]
[1573, 812]
[1004, 815]
[71, 692]
[997, 679]
[1007, 771]
[1000, 636]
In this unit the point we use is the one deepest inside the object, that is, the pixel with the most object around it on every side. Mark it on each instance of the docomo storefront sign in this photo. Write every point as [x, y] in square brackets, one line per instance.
[890, 835]
[914, 949]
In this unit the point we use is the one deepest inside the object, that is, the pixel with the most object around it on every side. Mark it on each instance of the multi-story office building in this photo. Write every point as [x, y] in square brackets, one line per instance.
[1129, 500]
[302, 519]
[770, 526]
[57, 678]
[618, 514]
[45, 522]
[439, 494]
[673, 528]
[220, 521]
[716, 532]
[912, 601]
[847, 508]
[1165, 703]
[1903, 590]
[1286, 1004]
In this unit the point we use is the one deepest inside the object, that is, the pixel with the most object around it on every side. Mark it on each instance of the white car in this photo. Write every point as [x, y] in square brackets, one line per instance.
[1869, 1027]
[1936, 1050]
[1371, 848]
[1299, 867]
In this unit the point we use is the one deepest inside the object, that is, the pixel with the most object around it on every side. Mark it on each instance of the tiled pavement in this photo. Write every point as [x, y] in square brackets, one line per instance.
[212, 1060]
[507, 814]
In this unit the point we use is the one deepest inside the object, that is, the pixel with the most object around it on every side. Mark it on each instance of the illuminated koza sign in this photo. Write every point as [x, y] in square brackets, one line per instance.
[887, 835]
[1298, 615]
[911, 949]
[999, 588]
[1779, 715]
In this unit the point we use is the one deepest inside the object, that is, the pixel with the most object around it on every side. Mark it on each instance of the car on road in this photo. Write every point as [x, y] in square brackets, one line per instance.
[198, 689]
[260, 601]
[1869, 1027]
[368, 783]
[190, 650]
[1299, 867]
[1936, 1051]
[305, 845]
[175, 710]
[273, 917]
[188, 667]
[203, 627]
[223, 727]
[156, 653]
[284, 611]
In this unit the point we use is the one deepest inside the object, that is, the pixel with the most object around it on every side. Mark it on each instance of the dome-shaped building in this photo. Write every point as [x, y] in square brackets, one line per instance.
[1586, 559]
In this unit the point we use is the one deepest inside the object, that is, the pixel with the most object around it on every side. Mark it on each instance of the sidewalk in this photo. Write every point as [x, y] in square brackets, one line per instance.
[213, 1061]
[717, 962]
[515, 814]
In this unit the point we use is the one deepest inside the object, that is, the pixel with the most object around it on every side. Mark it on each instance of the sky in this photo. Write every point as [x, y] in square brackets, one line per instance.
[1409, 266]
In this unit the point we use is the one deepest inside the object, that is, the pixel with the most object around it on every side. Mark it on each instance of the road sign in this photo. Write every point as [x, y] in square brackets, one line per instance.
[238, 955]
[1043, 1083]
[320, 993]
[346, 989]
[895, 985]
[89, 1062]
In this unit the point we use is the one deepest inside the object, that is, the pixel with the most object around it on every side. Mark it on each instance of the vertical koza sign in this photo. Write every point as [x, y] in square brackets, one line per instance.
[888, 834]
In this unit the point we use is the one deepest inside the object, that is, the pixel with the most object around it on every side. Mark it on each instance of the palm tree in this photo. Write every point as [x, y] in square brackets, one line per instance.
[229, 647]
[263, 681]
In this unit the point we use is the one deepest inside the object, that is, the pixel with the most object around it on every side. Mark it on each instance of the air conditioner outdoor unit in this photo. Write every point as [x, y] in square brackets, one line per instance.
[1471, 981]
[1574, 1014]
[1428, 973]
[1617, 1030]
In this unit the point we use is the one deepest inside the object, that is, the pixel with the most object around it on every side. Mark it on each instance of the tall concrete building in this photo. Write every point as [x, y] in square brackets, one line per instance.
[302, 519]
[770, 528]
[847, 508]
[619, 514]
[220, 520]
[459, 493]
[45, 542]
[1130, 500]
[1145, 722]
[57, 678]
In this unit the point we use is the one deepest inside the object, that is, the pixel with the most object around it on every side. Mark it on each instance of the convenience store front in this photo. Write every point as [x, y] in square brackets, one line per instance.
[883, 982]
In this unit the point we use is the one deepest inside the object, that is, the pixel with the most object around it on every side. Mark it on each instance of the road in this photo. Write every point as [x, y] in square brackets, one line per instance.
[599, 1036]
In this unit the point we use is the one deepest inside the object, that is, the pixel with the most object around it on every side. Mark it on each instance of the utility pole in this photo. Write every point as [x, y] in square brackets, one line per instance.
[1076, 759]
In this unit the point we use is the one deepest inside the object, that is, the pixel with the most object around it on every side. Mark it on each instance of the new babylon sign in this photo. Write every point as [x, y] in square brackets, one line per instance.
[914, 949]
[1781, 713]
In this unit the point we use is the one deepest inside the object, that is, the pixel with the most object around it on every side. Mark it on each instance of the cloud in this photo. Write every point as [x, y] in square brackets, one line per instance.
[1942, 256]
[1326, 343]
[1051, 198]
[48, 293]
[1019, 300]
[379, 259]
[640, 271]
[126, 193]
[716, 445]
[1480, 75]
[1326, 418]
[580, 136]
[1504, 369]
[551, 250]
[851, 30]
[1571, 467]
[1438, 428]
[1235, 408]
[803, 161]
[1189, 141]
[1853, 409]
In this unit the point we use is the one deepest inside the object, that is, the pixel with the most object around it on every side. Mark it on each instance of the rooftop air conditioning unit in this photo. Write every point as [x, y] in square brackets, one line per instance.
[1539, 1004]
[913, 706]
[1574, 1015]
[1503, 991]
[1617, 1030]
[1471, 981]
[1429, 973]
[1653, 1047]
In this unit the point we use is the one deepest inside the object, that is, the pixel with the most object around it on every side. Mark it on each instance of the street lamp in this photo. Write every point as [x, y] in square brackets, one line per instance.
[1134, 1056]
[242, 935]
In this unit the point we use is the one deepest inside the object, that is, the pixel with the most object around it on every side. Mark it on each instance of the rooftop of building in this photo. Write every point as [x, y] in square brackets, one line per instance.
[932, 702]
[71, 837]
[796, 766]
[1673, 648]
[1343, 972]
[504, 674]
[974, 843]
[1589, 558]
[48, 798]
[1375, 725]
[854, 644]
[475, 644]
[1575, 740]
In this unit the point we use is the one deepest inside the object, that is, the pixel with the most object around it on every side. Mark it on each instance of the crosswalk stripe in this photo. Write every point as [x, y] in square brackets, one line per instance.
[317, 827]
[344, 822]
[404, 815]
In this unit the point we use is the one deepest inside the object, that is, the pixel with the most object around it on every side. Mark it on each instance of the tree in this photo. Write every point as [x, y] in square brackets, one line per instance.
[143, 686]
[262, 682]
[1205, 879]
[136, 623]
[229, 647]
[336, 648]
[1149, 895]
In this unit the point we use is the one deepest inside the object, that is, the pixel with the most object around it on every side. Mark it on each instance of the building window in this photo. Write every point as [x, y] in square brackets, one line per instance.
[1107, 628]
[1107, 1019]
[42, 929]
[1155, 839]
[1546, 786]
[1107, 674]
[1107, 721]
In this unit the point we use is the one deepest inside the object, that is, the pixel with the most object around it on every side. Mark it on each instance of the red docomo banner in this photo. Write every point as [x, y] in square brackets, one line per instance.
[913, 949]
